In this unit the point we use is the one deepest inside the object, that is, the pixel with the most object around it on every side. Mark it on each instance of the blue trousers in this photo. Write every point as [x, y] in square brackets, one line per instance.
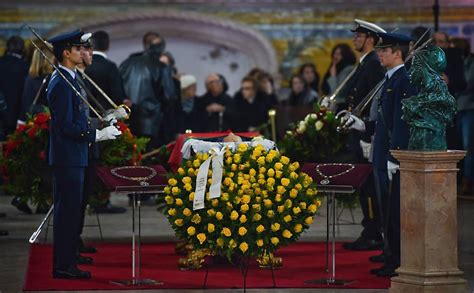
[68, 184]
[465, 127]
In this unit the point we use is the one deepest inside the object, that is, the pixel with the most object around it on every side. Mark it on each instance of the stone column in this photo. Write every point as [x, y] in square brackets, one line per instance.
[428, 210]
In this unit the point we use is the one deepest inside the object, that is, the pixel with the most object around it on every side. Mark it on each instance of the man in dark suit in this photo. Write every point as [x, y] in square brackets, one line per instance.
[368, 73]
[13, 72]
[69, 138]
[391, 132]
[105, 72]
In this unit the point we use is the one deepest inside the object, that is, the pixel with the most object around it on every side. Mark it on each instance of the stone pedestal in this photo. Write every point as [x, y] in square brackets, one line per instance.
[429, 254]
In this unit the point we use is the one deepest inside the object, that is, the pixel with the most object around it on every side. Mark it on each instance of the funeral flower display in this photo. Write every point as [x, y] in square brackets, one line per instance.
[24, 163]
[264, 202]
[314, 139]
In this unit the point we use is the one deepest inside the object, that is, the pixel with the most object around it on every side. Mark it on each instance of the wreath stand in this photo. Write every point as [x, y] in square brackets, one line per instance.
[344, 184]
[123, 186]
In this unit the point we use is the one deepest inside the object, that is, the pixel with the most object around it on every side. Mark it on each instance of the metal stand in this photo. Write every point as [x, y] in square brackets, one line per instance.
[331, 217]
[136, 192]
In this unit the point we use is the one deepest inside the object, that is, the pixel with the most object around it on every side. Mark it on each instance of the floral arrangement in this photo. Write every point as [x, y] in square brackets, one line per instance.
[24, 167]
[264, 204]
[314, 139]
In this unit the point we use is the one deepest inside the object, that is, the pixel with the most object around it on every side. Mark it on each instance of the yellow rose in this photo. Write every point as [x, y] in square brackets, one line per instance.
[237, 158]
[257, 217]
[298, 186]
[270, 214]
[167, 190]
[278, 197]
[220, 242]
[303, 205]
[262, 170]
[287, 218]
[191, 172]
[293, 193]
[243, 219]
[287, 234]
[275, 240]
[242, 231]
[175, 190]
[215, 202]
[269, 158]
[233, 167]
[298, 228]
[285, 182]
[271, 172]
[261, 160]
[191, 230]
[296, 210]
[186, 179]
[242, 147]
[260, 228]
[181, 171]
[252, 172]
[288, 203]
[281, 209]
[318, 203]
[278, 166]
[244, 208]
[179, 202]
[294, 175]
[232, 244]
[169, 200]
[275, 227]
[172, 182]
[270, 181]
[259, 242]
[228, 161]
[178, 222]
[268, 203]
[234, 215]
[201, 237]
[226, 232]
[211, 213]
[312, 208]
[188, 187]
[278, 174]
[281, 189]
[172, 212]
[196, 219]
[308, 220]
[191, 196]
[243, 247]
[187, 212]
[285, 160]
[210, 227]
[219, 216]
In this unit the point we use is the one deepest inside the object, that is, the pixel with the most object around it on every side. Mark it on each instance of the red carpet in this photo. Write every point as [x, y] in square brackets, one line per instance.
[301, 261]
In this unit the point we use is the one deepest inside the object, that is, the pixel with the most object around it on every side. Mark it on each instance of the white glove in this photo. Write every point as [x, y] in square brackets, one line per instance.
[366, 148]
[109, 132]
[325, 102]
[116, 114]
[392, 169]
[355, 122]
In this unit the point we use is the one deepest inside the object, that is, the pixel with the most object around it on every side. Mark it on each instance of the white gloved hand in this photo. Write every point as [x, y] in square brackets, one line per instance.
[115, 114]
[109, 132]
[366, 148]
[392, 169]
[355, 122]
[325, 102]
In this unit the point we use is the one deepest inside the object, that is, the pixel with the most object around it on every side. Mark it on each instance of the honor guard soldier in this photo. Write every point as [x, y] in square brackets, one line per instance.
[391, 132]
[68, 152]
[367, 75]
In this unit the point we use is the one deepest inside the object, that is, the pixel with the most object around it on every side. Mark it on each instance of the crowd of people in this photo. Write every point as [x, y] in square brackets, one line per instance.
[164, 103]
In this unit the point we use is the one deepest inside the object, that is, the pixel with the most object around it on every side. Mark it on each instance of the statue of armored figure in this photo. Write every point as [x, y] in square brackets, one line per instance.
[428, 112]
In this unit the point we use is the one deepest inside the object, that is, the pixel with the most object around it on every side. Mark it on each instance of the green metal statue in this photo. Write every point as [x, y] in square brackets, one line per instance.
[433, 107]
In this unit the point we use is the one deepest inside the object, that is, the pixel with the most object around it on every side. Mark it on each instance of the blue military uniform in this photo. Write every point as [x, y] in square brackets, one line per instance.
[391, 132]
[68, 155]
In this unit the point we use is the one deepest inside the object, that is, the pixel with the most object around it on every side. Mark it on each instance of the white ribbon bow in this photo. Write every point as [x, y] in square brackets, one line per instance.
[217, 158]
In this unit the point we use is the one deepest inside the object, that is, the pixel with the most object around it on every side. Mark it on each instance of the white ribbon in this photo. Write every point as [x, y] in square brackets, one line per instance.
[217, 159]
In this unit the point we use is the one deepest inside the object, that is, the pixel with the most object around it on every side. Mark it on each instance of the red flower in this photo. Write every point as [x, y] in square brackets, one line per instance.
[122, 126]
[41, 118]
[21, 128]
[42, 155]
[32, 132]
[11, 145]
